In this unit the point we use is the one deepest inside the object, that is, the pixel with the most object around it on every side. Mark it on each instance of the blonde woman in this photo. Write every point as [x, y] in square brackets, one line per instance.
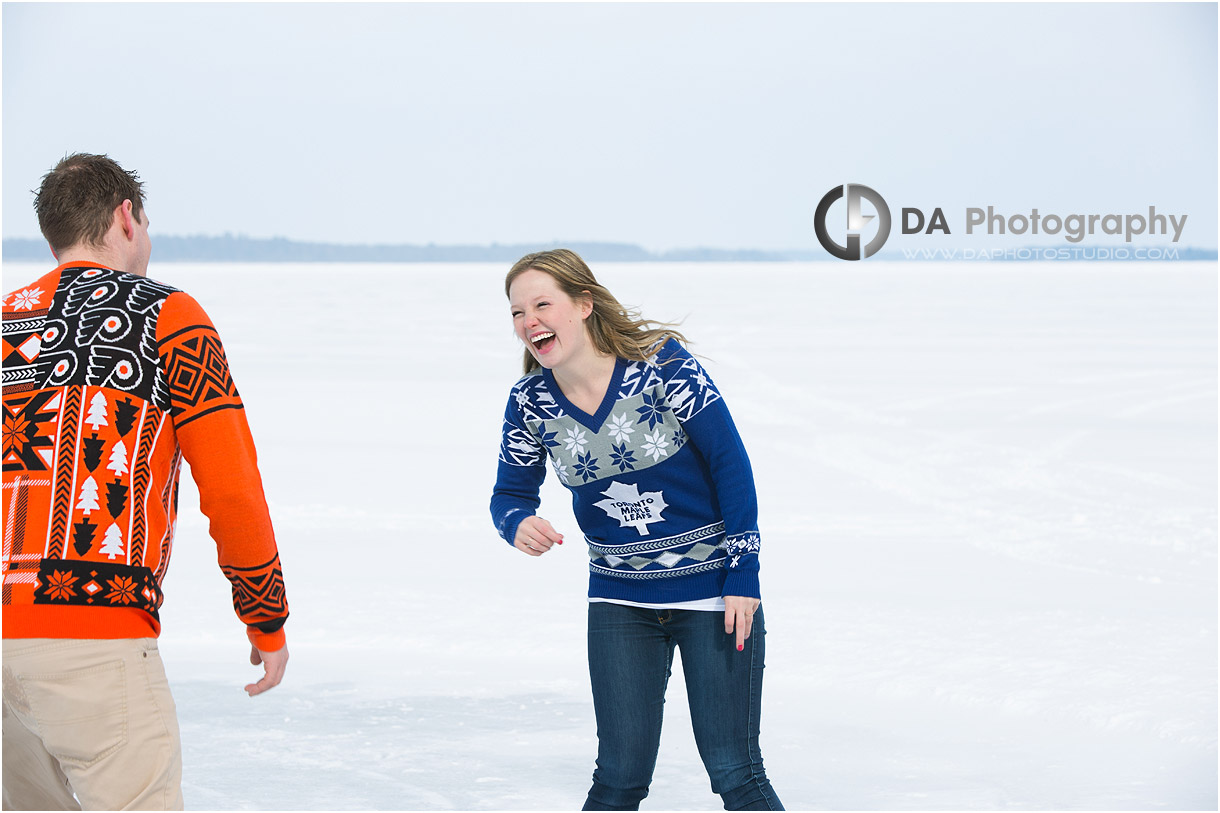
[663, 492]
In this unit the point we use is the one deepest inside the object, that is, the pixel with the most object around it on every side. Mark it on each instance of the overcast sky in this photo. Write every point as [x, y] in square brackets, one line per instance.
[669, 126]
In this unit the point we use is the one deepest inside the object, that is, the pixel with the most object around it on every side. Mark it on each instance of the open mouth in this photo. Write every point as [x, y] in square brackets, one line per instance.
[543, 341]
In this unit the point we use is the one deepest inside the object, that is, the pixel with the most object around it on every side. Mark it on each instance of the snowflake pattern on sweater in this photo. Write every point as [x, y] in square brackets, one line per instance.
[660, 480]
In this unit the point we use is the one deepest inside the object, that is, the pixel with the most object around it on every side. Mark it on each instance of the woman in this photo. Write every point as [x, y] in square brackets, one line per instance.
[662, 489]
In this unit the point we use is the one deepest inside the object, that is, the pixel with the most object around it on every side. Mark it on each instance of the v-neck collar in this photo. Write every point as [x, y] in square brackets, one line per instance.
[593, 422]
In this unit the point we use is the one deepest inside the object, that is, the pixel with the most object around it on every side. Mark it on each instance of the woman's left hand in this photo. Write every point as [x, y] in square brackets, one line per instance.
[739, 617]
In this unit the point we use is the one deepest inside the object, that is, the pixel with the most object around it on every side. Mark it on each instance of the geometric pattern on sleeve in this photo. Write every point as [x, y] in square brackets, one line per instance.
[639, 376]
[742, 545]
[535, 400]
[23, 339]
[519, 447]
[258, 592]
[197, 378]
[688, 389]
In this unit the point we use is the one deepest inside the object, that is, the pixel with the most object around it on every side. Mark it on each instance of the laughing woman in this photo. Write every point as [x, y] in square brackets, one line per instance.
[662, 489]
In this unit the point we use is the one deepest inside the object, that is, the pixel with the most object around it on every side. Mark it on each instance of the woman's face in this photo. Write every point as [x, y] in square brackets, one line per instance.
[550, 322]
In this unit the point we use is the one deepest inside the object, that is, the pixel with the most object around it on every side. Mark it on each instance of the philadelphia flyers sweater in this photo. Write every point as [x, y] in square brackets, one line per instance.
[111, 380]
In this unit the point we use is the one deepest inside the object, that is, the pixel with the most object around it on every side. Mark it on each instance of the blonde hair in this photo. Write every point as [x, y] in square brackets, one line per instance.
[614, 329]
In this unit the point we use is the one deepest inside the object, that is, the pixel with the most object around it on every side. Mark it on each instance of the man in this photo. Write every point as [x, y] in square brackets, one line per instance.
[110, 381]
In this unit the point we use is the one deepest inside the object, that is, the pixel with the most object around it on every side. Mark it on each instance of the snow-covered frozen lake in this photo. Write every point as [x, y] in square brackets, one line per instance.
[988, 505]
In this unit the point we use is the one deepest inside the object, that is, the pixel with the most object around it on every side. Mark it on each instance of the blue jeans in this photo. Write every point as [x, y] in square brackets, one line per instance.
[631, 650]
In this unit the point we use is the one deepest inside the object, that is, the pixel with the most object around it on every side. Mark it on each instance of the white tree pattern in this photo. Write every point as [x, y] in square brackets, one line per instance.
[88, 496]
[97, 412]
[113, 544]
[118, 459]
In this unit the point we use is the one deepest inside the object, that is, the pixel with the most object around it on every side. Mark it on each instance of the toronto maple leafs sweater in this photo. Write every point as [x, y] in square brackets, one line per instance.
[660, 480]
[111, 380]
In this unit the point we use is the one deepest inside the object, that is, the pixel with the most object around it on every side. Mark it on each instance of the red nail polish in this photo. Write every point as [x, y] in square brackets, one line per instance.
[741, 647]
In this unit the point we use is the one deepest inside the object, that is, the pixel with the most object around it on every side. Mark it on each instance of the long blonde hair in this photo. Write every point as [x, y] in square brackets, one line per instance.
[614, 329]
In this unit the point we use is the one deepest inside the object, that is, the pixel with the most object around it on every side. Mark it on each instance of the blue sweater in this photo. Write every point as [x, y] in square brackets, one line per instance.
[660, 481]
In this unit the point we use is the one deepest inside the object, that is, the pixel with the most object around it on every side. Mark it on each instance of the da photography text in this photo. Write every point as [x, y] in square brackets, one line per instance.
[978, 220]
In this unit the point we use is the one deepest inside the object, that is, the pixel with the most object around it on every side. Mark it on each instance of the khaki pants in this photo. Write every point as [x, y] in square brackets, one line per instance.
[92, 718]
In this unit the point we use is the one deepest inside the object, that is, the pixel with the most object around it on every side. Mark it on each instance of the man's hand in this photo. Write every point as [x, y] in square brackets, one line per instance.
[739, 617]
[535, 536]
[274, 663]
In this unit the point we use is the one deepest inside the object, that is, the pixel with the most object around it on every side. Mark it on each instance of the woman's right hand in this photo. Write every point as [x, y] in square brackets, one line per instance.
[535, 536]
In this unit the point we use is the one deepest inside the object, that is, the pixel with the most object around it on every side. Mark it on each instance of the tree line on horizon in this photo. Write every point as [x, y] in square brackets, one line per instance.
[238, 248]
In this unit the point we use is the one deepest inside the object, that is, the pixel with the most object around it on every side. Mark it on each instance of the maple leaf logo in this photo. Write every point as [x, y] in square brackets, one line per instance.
[631, 508]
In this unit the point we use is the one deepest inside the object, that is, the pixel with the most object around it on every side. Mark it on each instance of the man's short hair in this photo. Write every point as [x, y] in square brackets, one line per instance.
[77, 199]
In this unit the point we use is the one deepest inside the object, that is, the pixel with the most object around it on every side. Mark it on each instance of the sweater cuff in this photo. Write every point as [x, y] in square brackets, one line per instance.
[266, 641]
[742, 583]
[512, 520]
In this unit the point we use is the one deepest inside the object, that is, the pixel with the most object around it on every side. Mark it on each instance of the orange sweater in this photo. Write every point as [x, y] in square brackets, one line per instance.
[110, 381]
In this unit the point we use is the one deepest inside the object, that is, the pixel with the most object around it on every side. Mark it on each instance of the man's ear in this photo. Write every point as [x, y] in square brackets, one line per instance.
[126, 219]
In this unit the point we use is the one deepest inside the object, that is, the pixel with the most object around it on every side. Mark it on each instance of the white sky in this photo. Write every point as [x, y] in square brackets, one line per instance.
[671, 125]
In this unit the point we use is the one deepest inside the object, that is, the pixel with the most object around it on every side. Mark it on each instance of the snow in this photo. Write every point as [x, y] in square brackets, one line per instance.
[988, 512]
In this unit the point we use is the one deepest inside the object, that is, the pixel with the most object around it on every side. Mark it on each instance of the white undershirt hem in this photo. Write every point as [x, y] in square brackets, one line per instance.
[708, 605]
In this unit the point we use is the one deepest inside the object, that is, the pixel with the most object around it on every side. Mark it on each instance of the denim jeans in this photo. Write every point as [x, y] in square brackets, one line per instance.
[631, 650]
